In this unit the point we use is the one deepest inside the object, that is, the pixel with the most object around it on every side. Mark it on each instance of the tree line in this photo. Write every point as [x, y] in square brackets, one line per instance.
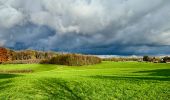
[29, 55]
[33, 56]
[73, 60]
[156, 59]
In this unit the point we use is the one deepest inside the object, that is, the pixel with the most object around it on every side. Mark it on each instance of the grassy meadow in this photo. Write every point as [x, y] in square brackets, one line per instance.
[105, 81]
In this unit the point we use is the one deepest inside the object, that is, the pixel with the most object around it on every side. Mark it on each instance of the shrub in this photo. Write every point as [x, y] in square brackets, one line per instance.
[73, 60]
[16, 71]
[45, 61]
[146, 58]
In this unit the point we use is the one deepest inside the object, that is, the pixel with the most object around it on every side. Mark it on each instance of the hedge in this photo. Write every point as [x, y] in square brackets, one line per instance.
[73, 60]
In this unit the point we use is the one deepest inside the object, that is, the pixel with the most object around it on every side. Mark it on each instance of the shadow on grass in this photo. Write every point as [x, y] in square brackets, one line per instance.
[5, 84]
[159, 74]
[56, 89]
[6, 81]
[130, 78]
[6, 76]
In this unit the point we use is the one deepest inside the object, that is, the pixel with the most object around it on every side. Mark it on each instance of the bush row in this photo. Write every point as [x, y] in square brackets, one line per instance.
[33, 61]
[73, 60]
[16, 71]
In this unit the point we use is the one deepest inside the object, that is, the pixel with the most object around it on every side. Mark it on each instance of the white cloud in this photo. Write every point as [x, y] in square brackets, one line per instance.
[9, 16]
[92, 23]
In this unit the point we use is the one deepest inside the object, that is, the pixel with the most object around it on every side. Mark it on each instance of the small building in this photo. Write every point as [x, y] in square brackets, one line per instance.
[3, 55]
[166, 59]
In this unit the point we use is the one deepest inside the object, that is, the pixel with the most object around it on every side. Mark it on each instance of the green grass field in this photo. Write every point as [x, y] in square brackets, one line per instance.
[106, 81]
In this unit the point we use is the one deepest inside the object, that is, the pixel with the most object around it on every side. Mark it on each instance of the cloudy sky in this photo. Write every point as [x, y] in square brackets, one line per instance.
[119, 27]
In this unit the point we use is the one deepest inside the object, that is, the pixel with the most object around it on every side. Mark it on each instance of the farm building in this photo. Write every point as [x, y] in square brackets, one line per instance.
[3, 54]
[166, 59]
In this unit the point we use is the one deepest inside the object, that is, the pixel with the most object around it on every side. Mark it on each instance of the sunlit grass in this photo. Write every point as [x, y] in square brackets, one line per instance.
[108, 80]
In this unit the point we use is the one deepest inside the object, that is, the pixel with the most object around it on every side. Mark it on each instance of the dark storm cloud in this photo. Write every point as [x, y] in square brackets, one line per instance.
[87, 26]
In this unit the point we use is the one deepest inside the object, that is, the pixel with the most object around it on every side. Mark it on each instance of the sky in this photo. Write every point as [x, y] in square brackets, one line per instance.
[109, 27]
